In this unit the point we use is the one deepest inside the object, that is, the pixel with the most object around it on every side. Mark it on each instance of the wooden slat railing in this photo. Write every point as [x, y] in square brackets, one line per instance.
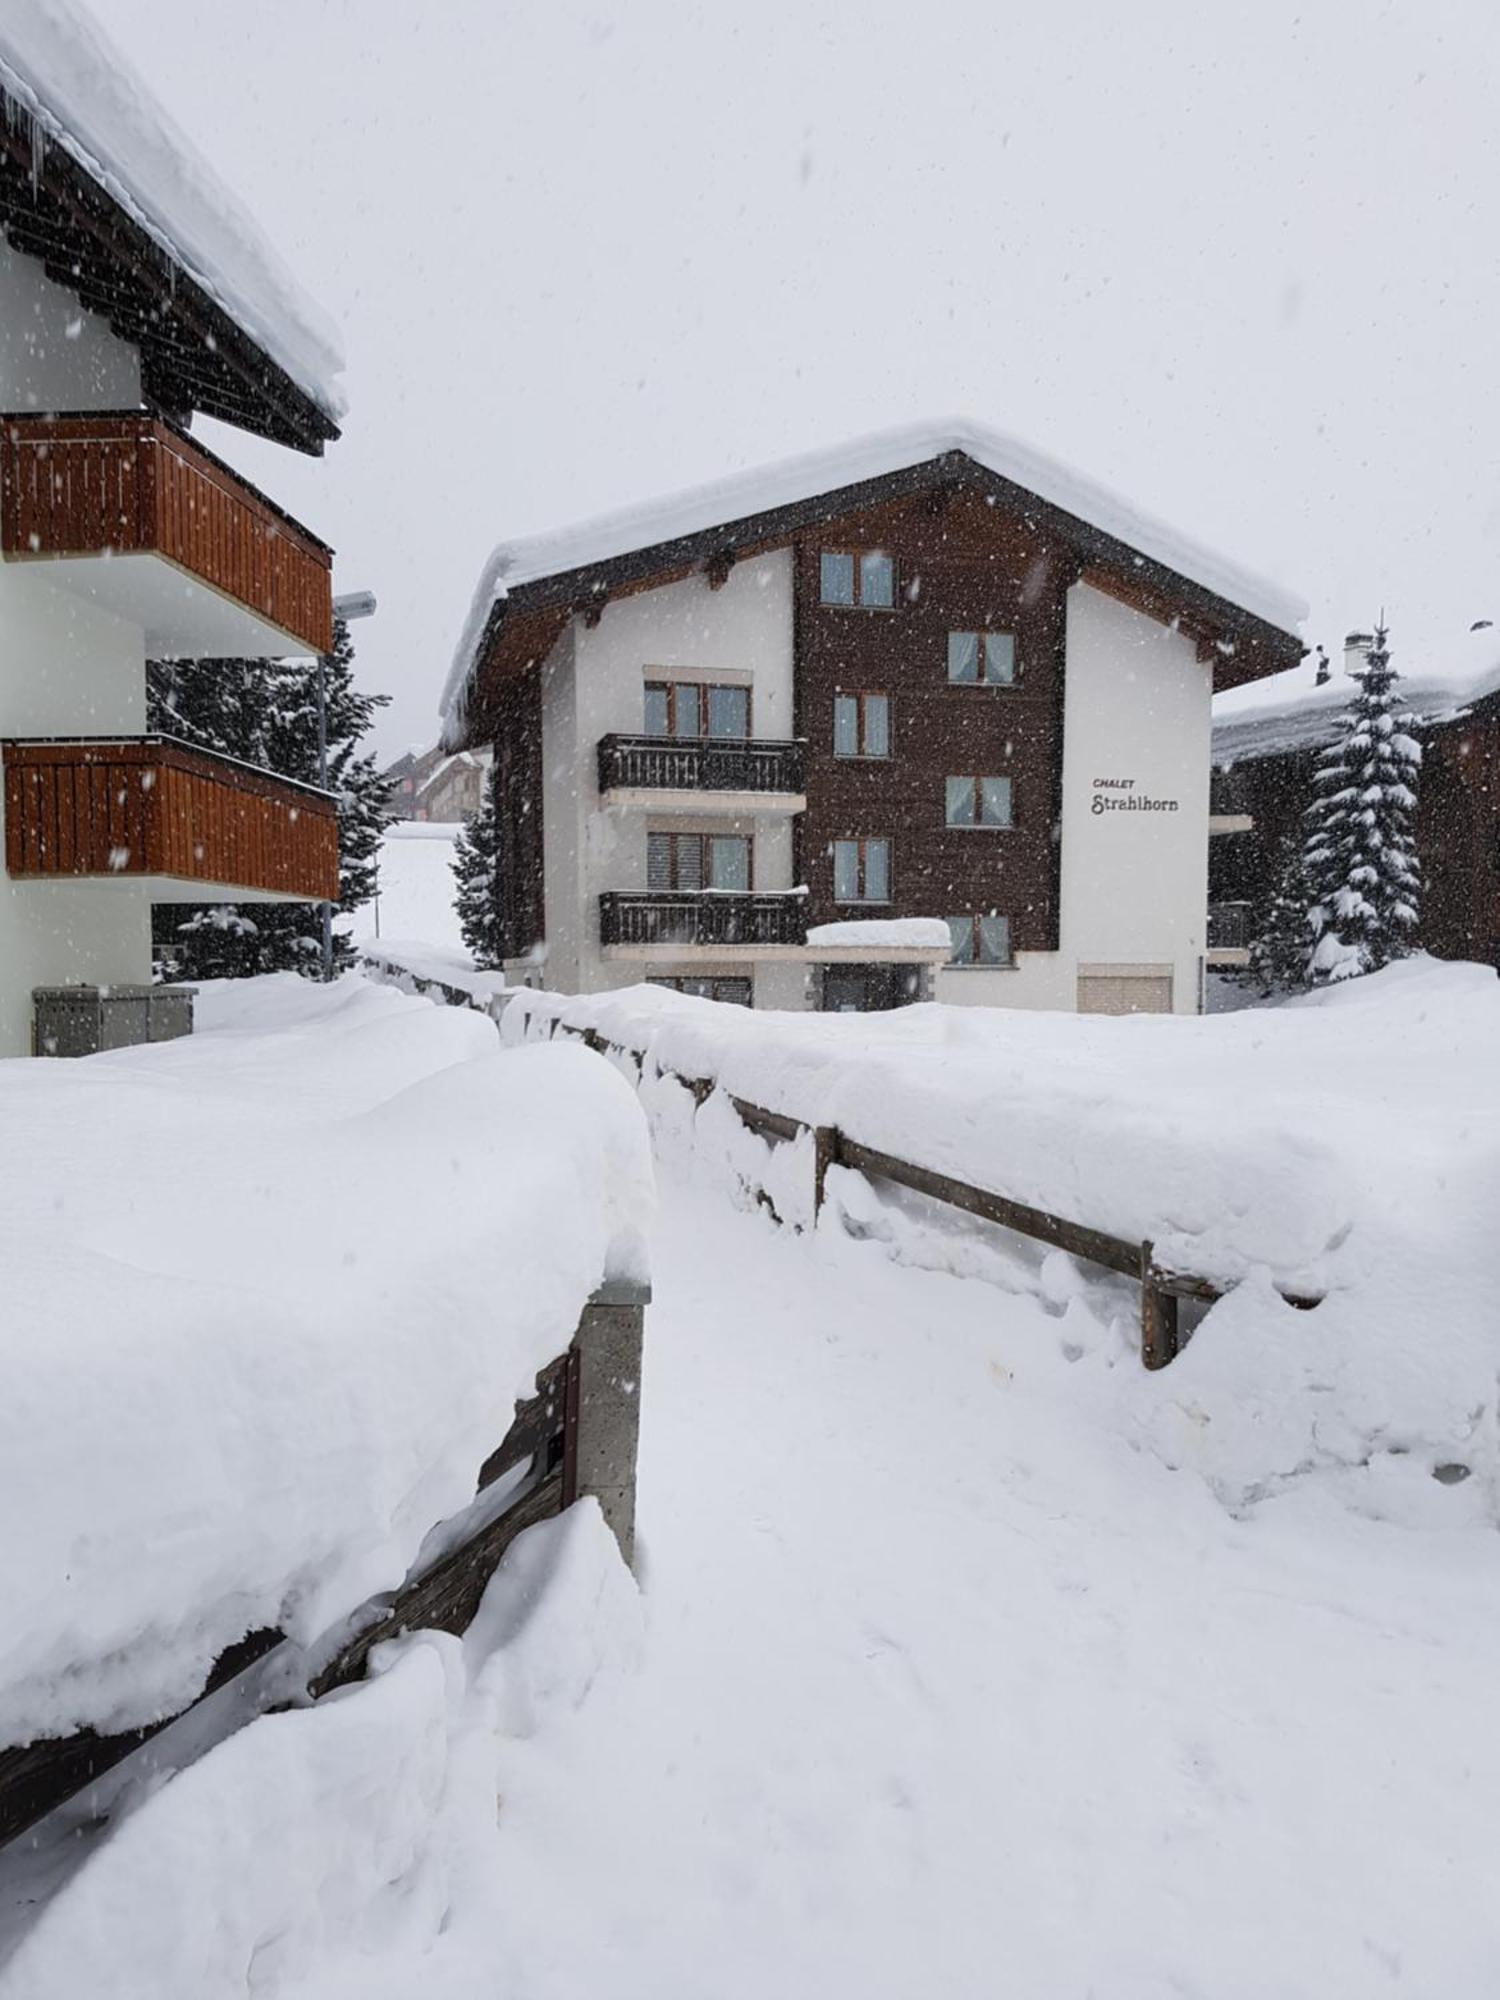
[152, 806]
[129, 482]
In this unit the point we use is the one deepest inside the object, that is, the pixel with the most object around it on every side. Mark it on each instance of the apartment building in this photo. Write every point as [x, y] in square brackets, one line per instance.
[772, 739]
[133, 294]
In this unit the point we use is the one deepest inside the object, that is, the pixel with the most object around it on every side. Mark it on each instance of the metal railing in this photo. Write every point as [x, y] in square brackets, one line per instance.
[703, 917]
[1229, 926]
[699, 764]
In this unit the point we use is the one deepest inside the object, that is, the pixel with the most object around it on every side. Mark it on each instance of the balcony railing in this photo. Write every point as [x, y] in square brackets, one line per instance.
[149, 805]
[1229, 926]
[698, 764]
[130, 483]
[706, 917]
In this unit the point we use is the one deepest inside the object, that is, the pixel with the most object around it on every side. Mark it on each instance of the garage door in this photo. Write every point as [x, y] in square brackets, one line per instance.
[1124, 989]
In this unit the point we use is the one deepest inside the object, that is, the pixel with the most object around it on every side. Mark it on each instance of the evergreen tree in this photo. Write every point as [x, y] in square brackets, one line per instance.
[1283, 933]
[476, 860]
[1363, 876]
[265, 712]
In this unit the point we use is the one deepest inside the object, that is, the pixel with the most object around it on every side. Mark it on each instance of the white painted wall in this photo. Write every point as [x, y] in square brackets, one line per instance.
[53, 354]
[67, 668]
[593, 686]
[1134, 884]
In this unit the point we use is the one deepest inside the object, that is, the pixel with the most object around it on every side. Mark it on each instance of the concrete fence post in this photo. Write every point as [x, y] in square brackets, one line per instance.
[605, 1424]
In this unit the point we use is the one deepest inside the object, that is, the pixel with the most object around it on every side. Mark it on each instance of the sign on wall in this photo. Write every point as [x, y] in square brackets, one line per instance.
[1117, 795]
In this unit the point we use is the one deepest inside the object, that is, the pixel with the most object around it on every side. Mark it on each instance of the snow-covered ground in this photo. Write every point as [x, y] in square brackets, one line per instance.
[270, 1295]
[968, 1658]
[416, 887]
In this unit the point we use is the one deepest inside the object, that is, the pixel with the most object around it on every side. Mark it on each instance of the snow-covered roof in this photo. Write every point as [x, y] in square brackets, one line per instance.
[744, 494]
[1289, 712]
[89, 100]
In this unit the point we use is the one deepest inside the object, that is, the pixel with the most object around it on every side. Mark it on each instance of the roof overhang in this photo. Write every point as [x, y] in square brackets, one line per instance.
[527, 615]
[194, 355]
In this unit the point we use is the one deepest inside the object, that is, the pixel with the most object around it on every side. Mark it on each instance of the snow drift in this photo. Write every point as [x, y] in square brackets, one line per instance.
[271, 1294]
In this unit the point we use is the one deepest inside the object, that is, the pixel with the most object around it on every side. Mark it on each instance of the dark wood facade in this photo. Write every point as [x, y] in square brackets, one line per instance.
[150, 806]
[1458, 830]
[961, 565]
[518, 802]
[127, 483]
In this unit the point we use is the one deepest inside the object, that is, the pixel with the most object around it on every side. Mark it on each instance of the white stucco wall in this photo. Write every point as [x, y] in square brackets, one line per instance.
[1137, 724]
[593, 686]
[53, 354]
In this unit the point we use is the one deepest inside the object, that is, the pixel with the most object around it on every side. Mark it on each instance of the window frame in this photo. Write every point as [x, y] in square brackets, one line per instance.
[976, 780]
[860, 696]
[981, 634]
[678, 982]
[705, 853]
[702, 689]
[857, 602]
[860, 842]
[974, 963]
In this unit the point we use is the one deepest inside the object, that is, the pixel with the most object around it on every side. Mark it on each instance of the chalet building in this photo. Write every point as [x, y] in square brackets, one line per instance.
[438, 784]
[133, 293]
[928, 676]
[1266, 743]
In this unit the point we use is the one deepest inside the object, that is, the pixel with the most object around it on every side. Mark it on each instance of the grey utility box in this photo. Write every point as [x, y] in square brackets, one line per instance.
[84, 1020]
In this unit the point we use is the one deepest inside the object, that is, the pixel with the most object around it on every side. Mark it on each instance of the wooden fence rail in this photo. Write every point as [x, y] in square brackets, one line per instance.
[1162, 1290]
[578, 1432]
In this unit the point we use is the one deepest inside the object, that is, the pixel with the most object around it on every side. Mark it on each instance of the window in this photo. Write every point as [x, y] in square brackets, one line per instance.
[867, 580]
[730, 992]
[695, 709]
[982, 659]
[862, 871]
[692, 861]
[861, 725]
[982, 939]
[979, 802]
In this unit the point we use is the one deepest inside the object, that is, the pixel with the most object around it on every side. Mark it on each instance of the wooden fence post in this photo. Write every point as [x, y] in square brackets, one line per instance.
[604, 1426]
[825, 1154]
[1158, 1315]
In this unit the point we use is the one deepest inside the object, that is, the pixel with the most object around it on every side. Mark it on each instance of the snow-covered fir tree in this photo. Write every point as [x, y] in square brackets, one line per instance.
[1364, 880]
[265, 712]
[476, 858]
[1283, 937]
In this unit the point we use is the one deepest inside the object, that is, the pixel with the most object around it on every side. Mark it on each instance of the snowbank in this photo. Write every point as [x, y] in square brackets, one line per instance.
[1347, 1146]
[916, 933]
[271, 1293]
[414, 967]
[742, 494]
[414, 898]
[90, 100]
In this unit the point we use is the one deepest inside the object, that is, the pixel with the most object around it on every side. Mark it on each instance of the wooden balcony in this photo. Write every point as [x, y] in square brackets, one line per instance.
[196, 824]
[764, 774]
[710, 917]
[76, 489]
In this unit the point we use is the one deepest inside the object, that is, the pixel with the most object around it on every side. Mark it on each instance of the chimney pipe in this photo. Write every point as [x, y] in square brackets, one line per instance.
[1357, 651]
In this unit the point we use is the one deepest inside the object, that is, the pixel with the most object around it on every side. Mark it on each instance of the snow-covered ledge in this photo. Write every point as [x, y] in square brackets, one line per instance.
[886, 940]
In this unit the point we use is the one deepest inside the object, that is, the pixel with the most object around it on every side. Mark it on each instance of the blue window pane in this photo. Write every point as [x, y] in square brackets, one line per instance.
[877, 725]
[658, 712]
[877, 580]
[728, 862]
[961, 930]
[729, 711]
[837, 579]
[963, 656]
[845, 725]
[999, 656]
[846, 871]
[960, 802]
[994, 801]
[994, 940]
[877, 871]
[689, 710]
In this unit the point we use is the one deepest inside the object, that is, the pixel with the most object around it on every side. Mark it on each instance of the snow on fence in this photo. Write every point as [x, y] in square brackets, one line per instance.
[575, 1438]
[1164, 1286]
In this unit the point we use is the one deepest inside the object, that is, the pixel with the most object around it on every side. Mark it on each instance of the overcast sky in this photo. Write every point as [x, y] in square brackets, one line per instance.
[1238, 261]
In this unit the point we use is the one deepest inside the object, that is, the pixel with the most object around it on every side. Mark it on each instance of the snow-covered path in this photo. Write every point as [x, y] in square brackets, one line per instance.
[948, 1687]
